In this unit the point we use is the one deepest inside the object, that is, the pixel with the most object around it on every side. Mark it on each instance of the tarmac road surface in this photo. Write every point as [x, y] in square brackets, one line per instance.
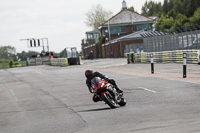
[46, 99]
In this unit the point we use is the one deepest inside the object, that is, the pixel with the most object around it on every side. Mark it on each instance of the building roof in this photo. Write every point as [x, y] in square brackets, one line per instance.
[132, 36]
[127, 16]
[92, 32]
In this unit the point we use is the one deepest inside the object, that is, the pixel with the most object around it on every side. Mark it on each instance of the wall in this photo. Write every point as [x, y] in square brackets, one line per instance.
[117, 49]
[88, 50]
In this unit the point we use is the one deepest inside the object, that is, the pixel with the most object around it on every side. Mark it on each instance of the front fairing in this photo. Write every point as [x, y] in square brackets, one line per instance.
[95, 82]
[98, 84]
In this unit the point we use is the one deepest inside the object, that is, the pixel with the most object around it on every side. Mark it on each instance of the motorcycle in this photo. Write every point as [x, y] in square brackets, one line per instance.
[107, 93]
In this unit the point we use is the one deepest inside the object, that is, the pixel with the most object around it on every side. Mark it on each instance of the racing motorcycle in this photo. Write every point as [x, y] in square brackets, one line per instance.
[107, 93]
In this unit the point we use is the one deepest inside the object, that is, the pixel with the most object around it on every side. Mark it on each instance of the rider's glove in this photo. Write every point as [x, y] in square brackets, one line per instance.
[111, 81]
[106, 79]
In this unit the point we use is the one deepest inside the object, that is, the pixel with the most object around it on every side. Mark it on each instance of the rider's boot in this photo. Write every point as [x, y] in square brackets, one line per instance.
[119, 90]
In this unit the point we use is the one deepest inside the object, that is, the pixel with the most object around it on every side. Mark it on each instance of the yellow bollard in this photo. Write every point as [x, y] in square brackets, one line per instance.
[66, 60]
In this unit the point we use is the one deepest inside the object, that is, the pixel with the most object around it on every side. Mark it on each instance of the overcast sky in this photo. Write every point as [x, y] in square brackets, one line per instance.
[61, 21]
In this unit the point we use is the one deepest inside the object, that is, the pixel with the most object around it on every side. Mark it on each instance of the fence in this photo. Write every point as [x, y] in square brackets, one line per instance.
[170, 42]
[164, 57]
[154, 41]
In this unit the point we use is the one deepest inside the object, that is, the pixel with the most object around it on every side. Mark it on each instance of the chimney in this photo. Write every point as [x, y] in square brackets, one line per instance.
[124, 6]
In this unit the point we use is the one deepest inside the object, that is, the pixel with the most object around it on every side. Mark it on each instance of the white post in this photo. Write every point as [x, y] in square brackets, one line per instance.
[152, 65]
[198, 56]
[184, 64]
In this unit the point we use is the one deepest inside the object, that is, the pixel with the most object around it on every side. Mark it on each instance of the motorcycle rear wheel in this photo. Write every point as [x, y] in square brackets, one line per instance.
[109, 100]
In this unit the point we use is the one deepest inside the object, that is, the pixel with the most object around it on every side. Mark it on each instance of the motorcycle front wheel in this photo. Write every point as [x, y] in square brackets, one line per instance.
[122, 102]
[109, 100]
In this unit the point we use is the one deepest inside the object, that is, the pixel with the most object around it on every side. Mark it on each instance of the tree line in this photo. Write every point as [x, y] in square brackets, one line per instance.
[173, 13]
[9, 52]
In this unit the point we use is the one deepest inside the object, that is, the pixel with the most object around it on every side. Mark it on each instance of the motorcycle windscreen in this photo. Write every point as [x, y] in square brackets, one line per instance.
[95, 82]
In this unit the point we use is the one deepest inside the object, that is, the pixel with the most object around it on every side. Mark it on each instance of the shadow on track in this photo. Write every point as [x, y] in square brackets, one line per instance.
[100, 109]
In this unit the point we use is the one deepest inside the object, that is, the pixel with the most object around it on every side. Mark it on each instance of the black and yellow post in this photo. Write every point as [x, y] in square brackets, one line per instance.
[132, 57]
[128, 58]
[184, 65]
[152, 64]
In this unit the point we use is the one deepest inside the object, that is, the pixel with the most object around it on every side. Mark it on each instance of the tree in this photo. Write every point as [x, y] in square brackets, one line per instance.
[145, 9]
[180, 20]
[171, 5]
[192, 6]
[22, 56]
[101, 41]
[7, 52]
[151, 8]
[165, 23]
[165, 6]
[173, 13]
[62, 54]
[97, 16]
[132, 9]
[179, 6]
[196, 17]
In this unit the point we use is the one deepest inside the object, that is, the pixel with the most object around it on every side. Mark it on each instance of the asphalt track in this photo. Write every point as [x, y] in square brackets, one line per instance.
[46, 99]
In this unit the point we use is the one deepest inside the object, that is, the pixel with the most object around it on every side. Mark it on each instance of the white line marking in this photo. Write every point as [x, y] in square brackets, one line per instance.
[38, 72]
[12, 92]
[147, 89]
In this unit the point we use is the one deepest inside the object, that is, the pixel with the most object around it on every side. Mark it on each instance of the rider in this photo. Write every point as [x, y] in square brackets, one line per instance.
[90, 75]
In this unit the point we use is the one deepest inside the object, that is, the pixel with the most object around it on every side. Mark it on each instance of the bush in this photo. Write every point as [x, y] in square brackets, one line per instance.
[11, 62]
[17, 64]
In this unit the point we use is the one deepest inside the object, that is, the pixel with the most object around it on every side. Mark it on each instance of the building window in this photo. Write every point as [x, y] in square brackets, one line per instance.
[96, 36]
[134, 28]
[141, 27]
[123, 29]
[90, 36]
[117, 29]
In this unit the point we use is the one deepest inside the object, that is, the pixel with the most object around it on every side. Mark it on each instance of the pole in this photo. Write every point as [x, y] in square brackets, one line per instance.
[109, 30]
[128, 58]
[152, 64]
[198, 57]
[184, 64]
[132, 59]
[43, 45]
[47, 44]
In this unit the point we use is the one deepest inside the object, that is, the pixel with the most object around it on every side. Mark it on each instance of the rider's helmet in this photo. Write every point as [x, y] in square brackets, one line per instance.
[88, 74]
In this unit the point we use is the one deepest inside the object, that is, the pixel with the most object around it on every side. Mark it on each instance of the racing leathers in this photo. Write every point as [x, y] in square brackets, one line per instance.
[97, 74]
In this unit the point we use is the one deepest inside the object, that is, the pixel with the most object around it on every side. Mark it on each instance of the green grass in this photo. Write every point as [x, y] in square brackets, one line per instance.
[4, 65]
[23, 63]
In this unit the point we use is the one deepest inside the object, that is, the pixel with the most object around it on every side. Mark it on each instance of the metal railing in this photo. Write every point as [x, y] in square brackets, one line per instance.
[171, 42]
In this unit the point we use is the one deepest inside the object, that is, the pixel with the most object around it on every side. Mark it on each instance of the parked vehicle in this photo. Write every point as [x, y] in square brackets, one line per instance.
[72, 55]
[107, 93]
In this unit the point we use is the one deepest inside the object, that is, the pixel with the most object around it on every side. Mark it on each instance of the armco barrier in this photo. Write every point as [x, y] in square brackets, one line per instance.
[45, 60]
[38, 61]
[165, 56]
[59, 62]
[52, 61]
